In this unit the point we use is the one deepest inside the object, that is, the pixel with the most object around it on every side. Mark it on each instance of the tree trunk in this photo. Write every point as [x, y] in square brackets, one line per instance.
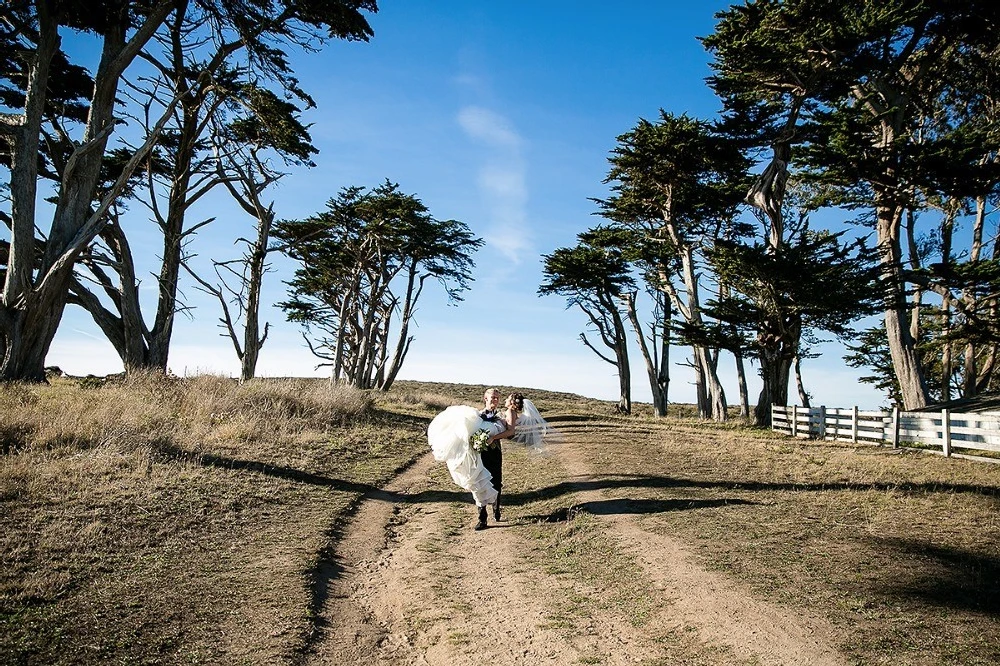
[902, 346]
[24, 165]
[803, 395]
[969, 371]
[774, 373]
[741, 377]
[658, 376]
[711, 397]
[947, 367]
[29, 338]
[413, 290]
[129, 336]
[624, 372]
[257, 260]
[715, 396]
[703, 402]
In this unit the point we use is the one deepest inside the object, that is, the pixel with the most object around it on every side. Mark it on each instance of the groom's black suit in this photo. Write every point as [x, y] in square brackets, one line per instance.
[493, 456]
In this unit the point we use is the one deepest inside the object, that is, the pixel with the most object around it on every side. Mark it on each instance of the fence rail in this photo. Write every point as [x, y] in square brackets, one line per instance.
[940, 432]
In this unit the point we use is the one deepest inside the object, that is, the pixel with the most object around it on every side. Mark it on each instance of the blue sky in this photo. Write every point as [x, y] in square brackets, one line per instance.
[501, 115]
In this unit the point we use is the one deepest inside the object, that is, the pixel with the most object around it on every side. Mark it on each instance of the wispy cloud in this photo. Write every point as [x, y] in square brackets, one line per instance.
[501, 179]
[489, 127]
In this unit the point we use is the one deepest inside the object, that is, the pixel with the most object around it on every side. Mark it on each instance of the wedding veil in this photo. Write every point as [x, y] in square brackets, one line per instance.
[533, 431]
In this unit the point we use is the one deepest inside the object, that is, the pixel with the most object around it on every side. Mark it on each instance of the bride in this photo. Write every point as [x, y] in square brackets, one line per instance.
[450, 432]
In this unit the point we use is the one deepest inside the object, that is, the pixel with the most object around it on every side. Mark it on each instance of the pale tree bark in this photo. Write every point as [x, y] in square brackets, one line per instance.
[253, 339]
[889, 106]
[777, 340]
[768, 191]
[414, 286]
[655, 358]
[803, 394]
[741, 379]
[741, 375]
[915, 262]
[902, 344]
[947, 237]
[711, 396]
[975, 252]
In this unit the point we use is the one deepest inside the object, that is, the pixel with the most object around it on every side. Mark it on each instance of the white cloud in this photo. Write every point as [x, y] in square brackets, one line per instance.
[489, 127]
[502, 180]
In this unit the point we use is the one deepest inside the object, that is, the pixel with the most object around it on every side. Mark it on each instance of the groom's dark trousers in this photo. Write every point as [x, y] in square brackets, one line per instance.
[493, 462]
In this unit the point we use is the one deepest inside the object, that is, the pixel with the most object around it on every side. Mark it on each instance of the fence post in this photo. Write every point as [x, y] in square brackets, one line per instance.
[854, 424]
[822, 421]
[946, 431]
[895, 427]
[795, 420]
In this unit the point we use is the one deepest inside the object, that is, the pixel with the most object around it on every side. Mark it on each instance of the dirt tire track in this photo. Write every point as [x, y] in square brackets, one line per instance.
[412, 592]
[754, 630]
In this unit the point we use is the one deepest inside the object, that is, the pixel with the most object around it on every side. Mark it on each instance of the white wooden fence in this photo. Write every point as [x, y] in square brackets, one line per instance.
[940, 432]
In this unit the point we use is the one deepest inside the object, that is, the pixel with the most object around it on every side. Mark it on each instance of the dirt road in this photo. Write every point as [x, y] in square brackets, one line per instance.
[414, 584]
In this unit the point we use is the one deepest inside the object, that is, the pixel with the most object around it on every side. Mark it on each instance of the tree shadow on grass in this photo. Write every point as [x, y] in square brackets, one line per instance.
[168, 450]
[627, 481]
[948, 576]
[624, 506]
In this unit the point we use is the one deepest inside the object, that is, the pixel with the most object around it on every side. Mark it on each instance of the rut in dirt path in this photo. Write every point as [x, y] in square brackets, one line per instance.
[417, 586]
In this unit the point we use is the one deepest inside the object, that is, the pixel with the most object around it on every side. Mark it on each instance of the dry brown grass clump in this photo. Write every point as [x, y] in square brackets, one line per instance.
[191, 412]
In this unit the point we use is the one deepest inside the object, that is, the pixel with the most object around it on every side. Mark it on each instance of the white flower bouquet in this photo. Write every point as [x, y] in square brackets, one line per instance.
[480, 440]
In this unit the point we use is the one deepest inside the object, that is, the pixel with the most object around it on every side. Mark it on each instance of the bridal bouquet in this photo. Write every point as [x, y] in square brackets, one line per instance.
[480, 440]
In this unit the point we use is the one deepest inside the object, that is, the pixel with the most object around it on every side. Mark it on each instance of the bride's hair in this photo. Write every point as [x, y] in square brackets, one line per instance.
[518, 399]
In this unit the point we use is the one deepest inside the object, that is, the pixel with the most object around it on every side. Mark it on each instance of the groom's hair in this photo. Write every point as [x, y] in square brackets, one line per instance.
[487, 393]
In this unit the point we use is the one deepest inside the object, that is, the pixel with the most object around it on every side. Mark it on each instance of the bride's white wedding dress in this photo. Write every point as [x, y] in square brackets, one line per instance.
[449, 432]
[448, 435]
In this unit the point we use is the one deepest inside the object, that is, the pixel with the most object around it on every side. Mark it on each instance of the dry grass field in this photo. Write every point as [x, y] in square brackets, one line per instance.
[166, 521]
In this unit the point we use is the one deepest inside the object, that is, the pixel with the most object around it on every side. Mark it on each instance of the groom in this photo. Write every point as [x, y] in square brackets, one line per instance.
[493, 456]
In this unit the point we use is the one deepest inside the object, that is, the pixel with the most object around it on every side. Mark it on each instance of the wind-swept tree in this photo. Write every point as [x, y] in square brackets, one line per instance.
[677, 184]
[363, 264]
[222, 63]
[243, 146]
[815, 282]
[868, 85]
[39, 269]
[594, 276]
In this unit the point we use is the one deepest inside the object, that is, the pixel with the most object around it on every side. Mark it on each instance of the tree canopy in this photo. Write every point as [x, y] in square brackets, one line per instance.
[363, 263]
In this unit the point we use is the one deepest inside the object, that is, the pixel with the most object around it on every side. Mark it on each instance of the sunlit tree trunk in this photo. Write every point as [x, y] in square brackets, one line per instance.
[655, 359]
[902, 344]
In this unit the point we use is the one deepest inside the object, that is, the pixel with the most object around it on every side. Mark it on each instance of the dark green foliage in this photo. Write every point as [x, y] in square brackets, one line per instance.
[888, 107]
[815, 280]
[593, 270]
[273, 123]
[676, 168]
